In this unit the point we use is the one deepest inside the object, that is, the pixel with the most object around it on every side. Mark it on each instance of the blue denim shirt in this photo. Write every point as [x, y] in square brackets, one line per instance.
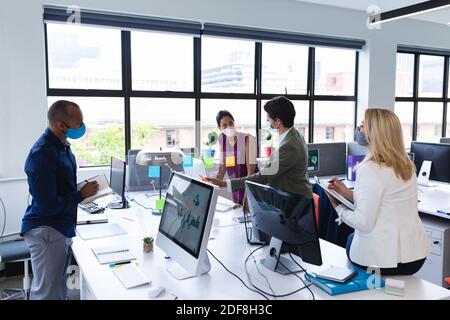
[52, 179]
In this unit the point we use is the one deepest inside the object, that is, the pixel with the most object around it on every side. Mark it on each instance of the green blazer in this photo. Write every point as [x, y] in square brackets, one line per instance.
[287, 168]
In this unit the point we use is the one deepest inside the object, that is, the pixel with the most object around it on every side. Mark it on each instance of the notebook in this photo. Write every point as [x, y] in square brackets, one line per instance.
[338, 196]
[131, 276]
[86, 218]
[103, 188]
[113, 254]
[359, 282]
[87, 232]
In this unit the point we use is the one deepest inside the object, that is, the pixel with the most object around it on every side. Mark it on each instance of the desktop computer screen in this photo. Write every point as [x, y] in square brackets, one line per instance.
[313, 160]
[186, 222]
[289, 220]
[438, 154]
[117, 183]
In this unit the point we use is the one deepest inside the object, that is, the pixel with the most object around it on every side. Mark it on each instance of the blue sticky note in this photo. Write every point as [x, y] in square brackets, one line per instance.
[188, 161]
[153, 172]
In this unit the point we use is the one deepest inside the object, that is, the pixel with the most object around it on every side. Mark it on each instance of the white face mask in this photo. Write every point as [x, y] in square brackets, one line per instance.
[229, 132]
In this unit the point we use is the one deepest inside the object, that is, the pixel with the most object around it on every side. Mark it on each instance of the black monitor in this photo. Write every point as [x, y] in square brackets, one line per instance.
[438, 154]
[289, 220]
[117, 182]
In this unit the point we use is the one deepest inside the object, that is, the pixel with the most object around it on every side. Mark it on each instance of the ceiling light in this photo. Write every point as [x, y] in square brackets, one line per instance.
[409, 11]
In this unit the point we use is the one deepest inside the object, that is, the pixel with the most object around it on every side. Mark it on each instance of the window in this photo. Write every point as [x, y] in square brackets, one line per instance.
[228, 65]
[284, 68]
[161, 122]
[162, 61]
[105, 135]
[426, 102]
[148, 98]
[335, 72]
[329, 133]
[404, 82]
[81, 57]
[338, 115]
[405, 112]
[431, 76]
[429, 116]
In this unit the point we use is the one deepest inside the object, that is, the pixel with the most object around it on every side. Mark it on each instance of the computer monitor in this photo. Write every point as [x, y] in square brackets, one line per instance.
[313, 160]
[290, 221]
[438, 154]
[185, 225]
[117, 182]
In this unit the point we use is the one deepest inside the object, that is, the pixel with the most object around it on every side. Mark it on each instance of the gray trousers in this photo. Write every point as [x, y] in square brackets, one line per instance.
[50, 257]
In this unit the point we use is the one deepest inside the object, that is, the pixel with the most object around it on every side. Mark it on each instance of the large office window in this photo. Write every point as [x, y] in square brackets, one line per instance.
[150, 89]
[422, 95]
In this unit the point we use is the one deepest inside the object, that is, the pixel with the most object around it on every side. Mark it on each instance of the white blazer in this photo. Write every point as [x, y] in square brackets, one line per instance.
[387, 226]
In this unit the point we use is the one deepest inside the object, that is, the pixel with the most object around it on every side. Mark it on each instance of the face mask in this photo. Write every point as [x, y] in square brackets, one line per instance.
[268, 127]
[229, 132]
[360, 138]
[76, 133]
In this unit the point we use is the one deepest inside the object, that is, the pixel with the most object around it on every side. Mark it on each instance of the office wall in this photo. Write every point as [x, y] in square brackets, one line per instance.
[22, 70]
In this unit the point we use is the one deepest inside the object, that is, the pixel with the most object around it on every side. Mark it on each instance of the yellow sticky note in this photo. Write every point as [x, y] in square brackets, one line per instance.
[230, 161]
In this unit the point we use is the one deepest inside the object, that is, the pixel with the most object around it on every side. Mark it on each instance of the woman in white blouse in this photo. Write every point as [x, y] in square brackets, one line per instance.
[388, 232]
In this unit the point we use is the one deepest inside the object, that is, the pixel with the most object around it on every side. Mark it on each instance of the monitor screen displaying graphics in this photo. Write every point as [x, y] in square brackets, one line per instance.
[313, 160]
[289, 220]
[438, 154]
[117, 183]
[185, 225]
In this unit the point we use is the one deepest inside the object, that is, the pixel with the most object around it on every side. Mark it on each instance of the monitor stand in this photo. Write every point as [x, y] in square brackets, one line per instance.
[120, 204]
[179, 273]
[423, 179]
[275, 262]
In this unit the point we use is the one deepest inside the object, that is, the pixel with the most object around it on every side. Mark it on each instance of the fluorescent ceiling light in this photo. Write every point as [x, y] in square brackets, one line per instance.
[409, 11]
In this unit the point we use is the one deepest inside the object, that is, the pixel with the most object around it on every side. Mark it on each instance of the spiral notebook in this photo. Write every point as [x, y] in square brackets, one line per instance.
[113, 254]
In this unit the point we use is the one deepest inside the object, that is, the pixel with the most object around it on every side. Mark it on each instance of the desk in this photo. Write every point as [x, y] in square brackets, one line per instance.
[229, 245]
[434, 198]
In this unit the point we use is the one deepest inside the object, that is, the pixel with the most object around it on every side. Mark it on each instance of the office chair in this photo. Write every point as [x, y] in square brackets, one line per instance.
[16, 251]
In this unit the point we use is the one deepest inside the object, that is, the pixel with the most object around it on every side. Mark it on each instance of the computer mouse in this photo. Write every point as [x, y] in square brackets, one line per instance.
[153, 292]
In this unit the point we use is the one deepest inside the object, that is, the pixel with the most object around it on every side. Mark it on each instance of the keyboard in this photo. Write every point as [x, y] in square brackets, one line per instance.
[91, 207]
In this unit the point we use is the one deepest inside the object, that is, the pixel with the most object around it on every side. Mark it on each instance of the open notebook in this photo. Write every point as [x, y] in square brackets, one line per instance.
[103, 188]
[338, 196]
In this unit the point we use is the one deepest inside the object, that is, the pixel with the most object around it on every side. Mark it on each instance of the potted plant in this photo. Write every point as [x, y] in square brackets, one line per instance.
[269, 143]
[213, 138]
[148, 244]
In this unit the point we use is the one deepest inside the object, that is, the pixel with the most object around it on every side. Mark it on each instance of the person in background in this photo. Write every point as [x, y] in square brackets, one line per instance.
[287, 167]
[360, 136]
[388, 231]
[49, 222]
[237, 152]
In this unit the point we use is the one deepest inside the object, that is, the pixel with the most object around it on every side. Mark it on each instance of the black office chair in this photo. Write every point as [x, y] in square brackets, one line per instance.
[16, 251]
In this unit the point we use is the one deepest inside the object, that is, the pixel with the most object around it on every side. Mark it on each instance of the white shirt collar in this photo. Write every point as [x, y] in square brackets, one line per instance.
[282, 136]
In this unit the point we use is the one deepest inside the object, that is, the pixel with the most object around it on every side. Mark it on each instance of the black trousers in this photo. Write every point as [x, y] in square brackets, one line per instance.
[403, 269]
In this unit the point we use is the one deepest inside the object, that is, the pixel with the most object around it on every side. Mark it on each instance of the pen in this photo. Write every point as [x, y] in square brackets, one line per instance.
[115, 265]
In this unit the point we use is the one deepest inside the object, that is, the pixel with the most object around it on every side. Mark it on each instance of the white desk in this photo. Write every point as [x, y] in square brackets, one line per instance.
[432, 199]
[229, 245]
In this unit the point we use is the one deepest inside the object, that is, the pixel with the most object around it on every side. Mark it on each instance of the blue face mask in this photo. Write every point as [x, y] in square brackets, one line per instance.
[360, 138]
[268, 127]
[76, 133]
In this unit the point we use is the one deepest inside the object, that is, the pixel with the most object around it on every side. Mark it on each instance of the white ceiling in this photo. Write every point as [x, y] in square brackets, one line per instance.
[439, 16]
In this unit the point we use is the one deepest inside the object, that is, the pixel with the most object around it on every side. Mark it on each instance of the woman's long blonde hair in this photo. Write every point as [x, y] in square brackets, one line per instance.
[385, 137]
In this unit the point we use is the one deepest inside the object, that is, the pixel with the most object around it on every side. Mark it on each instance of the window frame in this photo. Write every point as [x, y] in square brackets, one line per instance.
[127, 93]
[415, 99]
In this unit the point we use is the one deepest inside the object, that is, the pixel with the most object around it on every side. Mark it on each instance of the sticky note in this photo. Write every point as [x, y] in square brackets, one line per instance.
[153, 172]
[209, 163]
[159, 204]
[230, 161]
[188, 161]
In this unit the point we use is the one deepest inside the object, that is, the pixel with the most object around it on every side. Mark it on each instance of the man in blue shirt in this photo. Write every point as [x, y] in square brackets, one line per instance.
[49, 222]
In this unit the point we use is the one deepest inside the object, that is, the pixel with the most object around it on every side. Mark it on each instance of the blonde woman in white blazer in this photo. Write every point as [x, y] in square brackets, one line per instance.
[388, 232]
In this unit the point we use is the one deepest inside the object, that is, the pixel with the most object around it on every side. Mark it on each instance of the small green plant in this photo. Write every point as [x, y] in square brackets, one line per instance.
[148, 240]
[212, 139]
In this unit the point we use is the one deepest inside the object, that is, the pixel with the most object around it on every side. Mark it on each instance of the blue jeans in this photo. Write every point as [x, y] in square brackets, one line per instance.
[402, 269]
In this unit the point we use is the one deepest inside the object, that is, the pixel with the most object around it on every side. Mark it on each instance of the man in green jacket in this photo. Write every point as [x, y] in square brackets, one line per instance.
[287, 168]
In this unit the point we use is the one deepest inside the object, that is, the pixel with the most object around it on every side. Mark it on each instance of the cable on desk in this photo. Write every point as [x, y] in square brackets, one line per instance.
[259, 271]
[4, 216]
[141, 205]
[267, 293]
[306, 272]
[235, 275]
